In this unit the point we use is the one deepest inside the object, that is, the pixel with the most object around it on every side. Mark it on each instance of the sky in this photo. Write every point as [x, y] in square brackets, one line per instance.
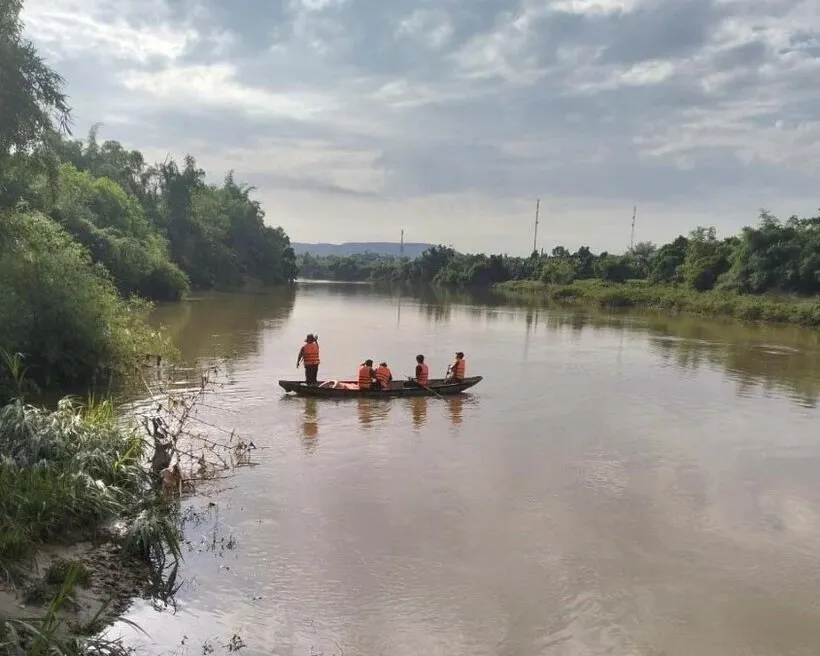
[355, 119]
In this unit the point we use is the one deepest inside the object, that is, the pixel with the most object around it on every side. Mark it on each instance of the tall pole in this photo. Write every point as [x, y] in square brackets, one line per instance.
[535, 232]
[632, 237]
[401, 247]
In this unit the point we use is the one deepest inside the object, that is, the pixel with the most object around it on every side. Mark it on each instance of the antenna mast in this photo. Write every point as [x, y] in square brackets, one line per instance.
[535, 232]
[632, 237]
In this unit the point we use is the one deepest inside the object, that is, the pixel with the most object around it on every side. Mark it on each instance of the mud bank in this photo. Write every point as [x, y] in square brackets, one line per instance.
[107, 583]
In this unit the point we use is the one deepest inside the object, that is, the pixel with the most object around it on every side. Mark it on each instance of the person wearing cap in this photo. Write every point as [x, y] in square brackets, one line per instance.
[384, 375]
[310, 354]
[366, 375]
[458, 369]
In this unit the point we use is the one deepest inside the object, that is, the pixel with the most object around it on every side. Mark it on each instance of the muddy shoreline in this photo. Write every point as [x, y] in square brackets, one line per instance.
[109, 583]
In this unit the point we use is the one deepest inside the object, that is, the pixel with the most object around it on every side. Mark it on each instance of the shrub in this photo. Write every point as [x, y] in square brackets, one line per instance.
[62, 311]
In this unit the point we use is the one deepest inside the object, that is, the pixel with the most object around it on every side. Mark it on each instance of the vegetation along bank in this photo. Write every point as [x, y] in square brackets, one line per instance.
[769, 272]
[90, 235]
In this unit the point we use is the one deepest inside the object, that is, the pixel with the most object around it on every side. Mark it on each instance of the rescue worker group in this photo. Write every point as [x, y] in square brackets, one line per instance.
[380, 377]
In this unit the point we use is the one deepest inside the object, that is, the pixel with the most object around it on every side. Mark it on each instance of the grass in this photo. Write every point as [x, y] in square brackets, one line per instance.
[66, 471]
[63, 473]
[670, 298]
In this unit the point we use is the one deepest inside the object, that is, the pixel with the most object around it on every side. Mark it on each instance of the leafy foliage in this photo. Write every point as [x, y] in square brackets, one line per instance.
[215, 233]
[61, 310]
[63, 469]
[773, 257]
[84, 225]
[30, 92]
[113, 227]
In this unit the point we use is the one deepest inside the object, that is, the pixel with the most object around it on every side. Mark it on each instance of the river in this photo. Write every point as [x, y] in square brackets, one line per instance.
[617, 484]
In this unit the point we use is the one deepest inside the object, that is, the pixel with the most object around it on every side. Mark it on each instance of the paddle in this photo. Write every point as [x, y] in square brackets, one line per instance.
[432, 391]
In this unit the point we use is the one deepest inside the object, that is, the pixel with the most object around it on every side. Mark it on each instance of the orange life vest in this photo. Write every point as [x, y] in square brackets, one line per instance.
[383, 375]
[459, 368]
[364, 377]
[310, 352]
[424, 376]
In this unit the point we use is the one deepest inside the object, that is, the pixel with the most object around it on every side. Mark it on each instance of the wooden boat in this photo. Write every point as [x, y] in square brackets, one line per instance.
[436, 386]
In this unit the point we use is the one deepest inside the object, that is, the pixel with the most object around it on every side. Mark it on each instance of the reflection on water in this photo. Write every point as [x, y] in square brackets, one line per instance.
[418, 409]
[219, 325]
[456, 407]
[617, 484]
[310, 425]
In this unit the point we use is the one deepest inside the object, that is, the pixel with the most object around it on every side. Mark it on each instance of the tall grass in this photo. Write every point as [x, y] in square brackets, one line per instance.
[791, 310]
[66, 471]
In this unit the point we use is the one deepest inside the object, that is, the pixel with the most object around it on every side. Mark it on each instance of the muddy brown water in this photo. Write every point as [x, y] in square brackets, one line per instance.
[617, 484]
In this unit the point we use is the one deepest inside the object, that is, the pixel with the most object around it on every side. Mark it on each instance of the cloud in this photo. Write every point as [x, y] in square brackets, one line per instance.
[356, 118]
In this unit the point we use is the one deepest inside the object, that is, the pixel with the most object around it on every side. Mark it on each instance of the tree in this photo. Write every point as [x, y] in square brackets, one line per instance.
[666, 265]
[706, 259]
[30, 92]
[31, 98]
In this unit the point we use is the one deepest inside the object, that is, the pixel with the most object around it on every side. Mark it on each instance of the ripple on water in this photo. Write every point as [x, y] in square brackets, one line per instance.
[613, 486]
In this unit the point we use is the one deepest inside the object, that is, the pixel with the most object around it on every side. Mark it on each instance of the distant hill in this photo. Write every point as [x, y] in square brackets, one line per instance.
[390, 248]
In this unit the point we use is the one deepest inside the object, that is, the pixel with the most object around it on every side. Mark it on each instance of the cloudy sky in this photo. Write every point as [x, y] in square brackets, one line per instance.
[356, 118]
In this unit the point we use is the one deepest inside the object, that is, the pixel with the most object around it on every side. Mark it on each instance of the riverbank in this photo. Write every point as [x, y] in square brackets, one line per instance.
[83, 528]
[669, 298]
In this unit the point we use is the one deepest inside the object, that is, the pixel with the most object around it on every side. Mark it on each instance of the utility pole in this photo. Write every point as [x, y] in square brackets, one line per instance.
[632, 237]
[401, 247]
[535, 232]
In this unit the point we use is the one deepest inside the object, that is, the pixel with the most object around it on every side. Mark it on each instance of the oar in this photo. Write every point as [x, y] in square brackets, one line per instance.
[432, 391]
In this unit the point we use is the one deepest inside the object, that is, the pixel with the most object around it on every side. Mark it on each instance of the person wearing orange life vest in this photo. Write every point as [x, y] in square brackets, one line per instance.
[366, 375]
[422, 372]
[458, 369]
[310, 354]
[384, 375]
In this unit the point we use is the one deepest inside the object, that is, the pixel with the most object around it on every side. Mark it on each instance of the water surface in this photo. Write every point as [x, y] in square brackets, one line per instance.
[617, 484]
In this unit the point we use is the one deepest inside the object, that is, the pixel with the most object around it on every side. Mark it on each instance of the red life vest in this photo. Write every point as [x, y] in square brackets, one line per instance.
[365, 378]
[459, 368]
[424, 375]
[383, 375]
[310, 352]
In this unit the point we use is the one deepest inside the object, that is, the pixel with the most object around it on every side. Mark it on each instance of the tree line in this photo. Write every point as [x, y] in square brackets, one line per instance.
[87, 229]
[773, 257]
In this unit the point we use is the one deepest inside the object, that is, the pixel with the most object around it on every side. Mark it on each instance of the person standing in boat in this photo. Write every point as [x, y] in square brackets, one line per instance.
[366, 375]
[384, 376]
[310, 354]
[458, 369]
[422, 372]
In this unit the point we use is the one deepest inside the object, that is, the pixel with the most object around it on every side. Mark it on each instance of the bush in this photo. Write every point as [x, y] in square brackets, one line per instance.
[62, 311]
[558, 272]
[61, 470]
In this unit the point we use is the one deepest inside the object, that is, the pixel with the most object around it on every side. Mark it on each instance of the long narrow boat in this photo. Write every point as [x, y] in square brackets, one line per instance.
[436, 386]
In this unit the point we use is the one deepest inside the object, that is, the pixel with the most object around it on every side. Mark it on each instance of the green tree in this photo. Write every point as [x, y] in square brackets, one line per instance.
[59, 309]
[706, 259]
[31, 99]
[113, 226]
[667, 264]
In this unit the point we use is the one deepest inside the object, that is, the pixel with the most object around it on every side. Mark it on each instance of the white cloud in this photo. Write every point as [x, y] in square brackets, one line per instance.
[72, 27]
[216, 86]
[368, 117]
[593, 7]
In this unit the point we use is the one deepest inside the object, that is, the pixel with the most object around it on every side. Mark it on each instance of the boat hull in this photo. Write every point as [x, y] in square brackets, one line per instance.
[436, 386]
